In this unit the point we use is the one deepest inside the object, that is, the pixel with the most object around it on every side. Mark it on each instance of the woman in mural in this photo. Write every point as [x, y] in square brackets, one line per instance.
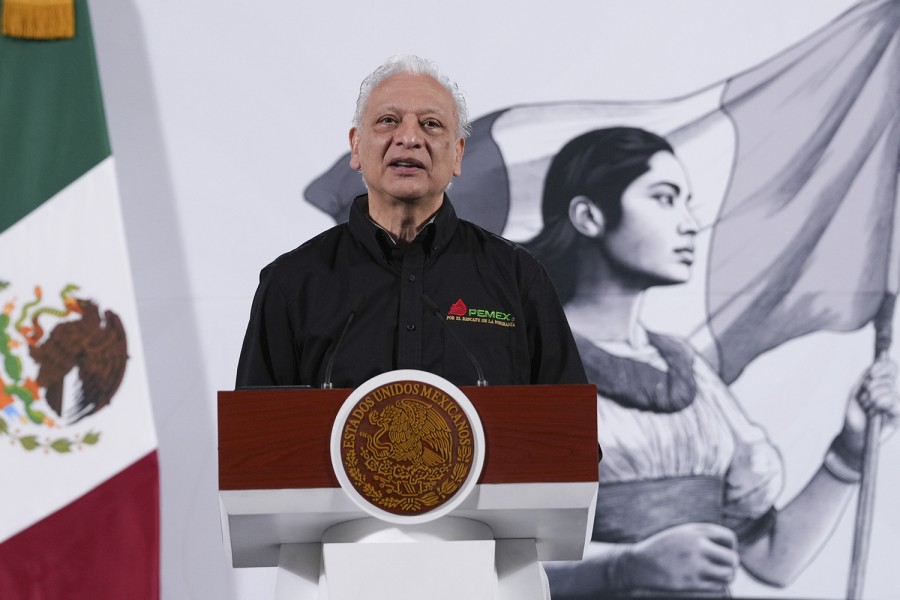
[688, 483]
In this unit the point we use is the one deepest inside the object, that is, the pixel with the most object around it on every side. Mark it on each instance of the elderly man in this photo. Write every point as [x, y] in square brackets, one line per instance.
[405, 283]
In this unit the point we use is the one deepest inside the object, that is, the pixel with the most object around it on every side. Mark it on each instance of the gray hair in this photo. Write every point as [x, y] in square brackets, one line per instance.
[414, 65]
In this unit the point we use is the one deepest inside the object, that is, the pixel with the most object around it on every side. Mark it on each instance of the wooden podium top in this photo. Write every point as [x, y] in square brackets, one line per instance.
[279, 439]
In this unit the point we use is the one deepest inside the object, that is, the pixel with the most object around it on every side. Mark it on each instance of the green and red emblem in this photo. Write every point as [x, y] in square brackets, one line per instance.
[54, 375]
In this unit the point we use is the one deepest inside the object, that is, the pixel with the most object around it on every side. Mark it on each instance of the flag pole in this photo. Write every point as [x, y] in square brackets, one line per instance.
[883, 323]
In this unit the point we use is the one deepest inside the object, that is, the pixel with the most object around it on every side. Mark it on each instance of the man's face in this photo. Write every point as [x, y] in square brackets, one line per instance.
[406, 145]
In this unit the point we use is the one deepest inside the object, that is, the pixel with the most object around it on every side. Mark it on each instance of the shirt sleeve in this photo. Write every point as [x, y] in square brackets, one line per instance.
[755, 476]
[271, 350]
[554, 355]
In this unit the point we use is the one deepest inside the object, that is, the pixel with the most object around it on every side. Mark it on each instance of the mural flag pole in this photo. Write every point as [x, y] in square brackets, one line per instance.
[883, 323]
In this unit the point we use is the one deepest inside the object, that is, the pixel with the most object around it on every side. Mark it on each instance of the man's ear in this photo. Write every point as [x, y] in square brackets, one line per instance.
[354, 149]
[460, 148]
[586, 217]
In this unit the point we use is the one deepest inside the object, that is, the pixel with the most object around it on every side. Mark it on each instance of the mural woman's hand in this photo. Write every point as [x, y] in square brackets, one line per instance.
[693, 556]
[874, 393]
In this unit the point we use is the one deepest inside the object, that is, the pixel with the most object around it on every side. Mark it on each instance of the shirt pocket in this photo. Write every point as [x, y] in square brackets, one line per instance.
[493, 345]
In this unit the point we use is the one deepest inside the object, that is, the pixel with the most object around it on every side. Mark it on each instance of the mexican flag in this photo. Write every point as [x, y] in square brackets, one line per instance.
[79, 512]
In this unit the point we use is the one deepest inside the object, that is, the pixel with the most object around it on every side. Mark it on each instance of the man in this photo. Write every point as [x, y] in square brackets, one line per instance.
[384, 281]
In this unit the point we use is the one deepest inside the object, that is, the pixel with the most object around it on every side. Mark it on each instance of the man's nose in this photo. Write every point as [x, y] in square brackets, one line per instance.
[408, 133]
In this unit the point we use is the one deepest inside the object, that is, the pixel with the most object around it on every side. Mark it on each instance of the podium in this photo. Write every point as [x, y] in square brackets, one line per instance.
[282, 504]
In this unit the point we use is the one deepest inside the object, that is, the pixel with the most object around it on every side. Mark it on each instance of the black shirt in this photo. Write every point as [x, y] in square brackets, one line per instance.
[494, 294]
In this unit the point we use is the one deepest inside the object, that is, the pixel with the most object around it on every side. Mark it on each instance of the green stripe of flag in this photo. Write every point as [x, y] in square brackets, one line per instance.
[52, 125]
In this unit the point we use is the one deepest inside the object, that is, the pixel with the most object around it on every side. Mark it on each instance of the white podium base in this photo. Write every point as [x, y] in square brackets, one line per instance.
[449, 559]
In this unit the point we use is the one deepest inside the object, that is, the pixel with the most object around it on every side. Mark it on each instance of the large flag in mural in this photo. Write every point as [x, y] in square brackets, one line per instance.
[80, 502]
[801, 150]
[816, 164]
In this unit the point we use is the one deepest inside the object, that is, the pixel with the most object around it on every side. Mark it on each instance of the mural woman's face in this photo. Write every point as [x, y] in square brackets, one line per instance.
[654, 242]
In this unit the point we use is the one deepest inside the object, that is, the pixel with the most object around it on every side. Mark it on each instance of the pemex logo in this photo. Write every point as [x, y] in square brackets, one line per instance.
[80, 344]
[459, 309]
[460, 312]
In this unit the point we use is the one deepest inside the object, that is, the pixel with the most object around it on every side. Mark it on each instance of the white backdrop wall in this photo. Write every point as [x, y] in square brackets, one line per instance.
[222, 112]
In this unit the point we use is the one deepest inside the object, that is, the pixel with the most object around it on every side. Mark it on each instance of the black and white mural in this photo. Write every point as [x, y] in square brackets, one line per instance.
[700, 245]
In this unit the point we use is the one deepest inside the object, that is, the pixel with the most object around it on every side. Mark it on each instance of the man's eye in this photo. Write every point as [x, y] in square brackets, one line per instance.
[387, 120]
[431, 124]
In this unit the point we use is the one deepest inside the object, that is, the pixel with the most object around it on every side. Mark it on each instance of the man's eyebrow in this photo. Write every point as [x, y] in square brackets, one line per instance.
[398, 109]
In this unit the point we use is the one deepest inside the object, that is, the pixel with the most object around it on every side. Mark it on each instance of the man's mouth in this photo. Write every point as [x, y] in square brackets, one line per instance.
[407, 163]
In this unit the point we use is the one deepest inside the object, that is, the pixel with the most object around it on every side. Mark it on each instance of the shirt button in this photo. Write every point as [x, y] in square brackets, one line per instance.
[412, 277]
[410, 326]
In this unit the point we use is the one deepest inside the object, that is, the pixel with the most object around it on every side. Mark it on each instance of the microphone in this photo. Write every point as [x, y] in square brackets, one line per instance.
[437, 312]
[326, 385]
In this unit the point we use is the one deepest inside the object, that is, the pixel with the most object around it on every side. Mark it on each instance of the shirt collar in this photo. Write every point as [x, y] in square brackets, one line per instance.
[434, 236]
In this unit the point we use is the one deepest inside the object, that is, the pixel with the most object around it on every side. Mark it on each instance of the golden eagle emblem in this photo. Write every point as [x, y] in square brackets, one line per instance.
[74, 371]
[407, 447]
[417, 438]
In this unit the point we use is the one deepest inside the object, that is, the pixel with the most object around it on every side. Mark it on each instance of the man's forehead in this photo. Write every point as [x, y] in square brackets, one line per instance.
[408, 91]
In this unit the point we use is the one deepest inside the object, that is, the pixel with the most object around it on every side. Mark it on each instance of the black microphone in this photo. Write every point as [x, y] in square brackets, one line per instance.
[326, 385]
[437, 312]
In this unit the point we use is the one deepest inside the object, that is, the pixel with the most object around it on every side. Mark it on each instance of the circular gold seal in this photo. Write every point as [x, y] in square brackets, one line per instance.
[408, 446]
